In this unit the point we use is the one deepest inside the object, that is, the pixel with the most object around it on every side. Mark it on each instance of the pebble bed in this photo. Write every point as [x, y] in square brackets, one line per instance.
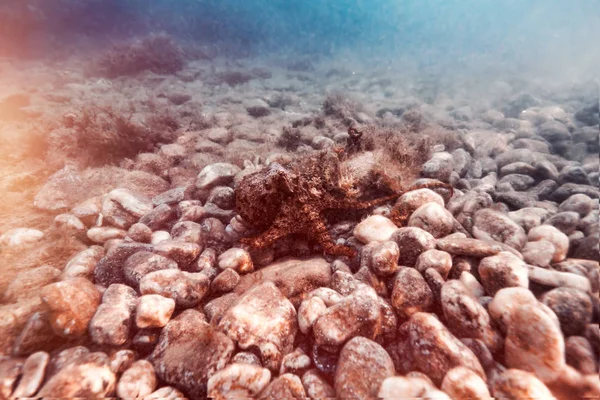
[493, 294]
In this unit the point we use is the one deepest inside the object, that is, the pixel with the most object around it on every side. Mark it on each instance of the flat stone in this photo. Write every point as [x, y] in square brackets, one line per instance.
[153, 311]
[29, 283]
[34, 371]
[20, 236]
[185, 288]
[518, 384]
[375, 228]
[143, 263]
[493, 225]
[182, 252]
[468, 247]
[433, 218]
[412, 242]
[501, 271]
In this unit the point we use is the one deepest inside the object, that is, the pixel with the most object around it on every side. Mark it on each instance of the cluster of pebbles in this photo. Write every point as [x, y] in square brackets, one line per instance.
[492, 294]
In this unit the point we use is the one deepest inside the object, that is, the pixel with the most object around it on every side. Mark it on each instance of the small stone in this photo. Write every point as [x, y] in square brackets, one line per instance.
[217, 174]
[435, 350]
[506, 301]
[517, 384]
[33, 373]
[69, 224]
[226, 281]
[566, 221]
[122, 208]
[572, 307]
[265, 319]
[187, 231]
[375, 228]
[528, 217]
[410, 201]
[103, 234]
[139, 232]
[153, 311]
[411, 294]
[580, 355]
[381, 257]
[552, 278]
[237, 259]
[159, 236]
[112, 321]
[554, 131]
[534, 343]
[142, 263]
[550, 234]
[159, 218]
[362, 366]
[501, 271]
[83, 263]
[245, 357]
[171, 196]
[165, 393]
[72, 304]
[432, 218]
[472, 284]
[439, 166]
[285, 387]
[187, 289]
[412, 242]
[87, 377]
[468, 247]
[309, 311]
[317, 387]
[36, 335]
[358, 314]
[295, 362]
[493, 225]
[182, 252]
[436, 259]
[121, 360]
[88, 210]
[238, 381]
[10, 371]
[137, 381]
[329, 296]
[28, 283]
[20, 236]
[71, 355]
[539, 253]
[223, 197]
[409, 387]
[579, 203]
[187, 335]
[462, 383]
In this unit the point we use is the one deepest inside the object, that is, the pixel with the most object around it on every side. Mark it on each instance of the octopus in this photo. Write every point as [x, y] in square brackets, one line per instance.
[282, 200]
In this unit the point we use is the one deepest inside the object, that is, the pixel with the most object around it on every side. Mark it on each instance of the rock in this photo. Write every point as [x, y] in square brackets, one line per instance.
[381, 257]
[187, 289]
[10, 371]
[121, 360]
[217, 174]
[139, 233]
[83, 263]
[538, 253]
[551, 234]
[516, 182]
[512, 156]
[111, 323]
[171, 196]
[362, 367]
[410, 201]
[182, 252]
[580, 355]
[411, 294]
[579, 203]
[142, 263]
[462, 383]
[516, 200]
[518, 167]
[588, 248]
[465, 317]
[551, 278]
[528, 217]
[69, 224]
[153, 311]
[468, 247]
[226, 281]
[554, 131]
[159, 236]
[137, 381]
[245, 357]
[374, 228]
[501, 271]
[159, 217]
[33, 373]
[187, 231]
[436, 259]
[238, 381]
[295, 278]
[223, 197]
[122, 207]
[72, 304]
[237, 259]
[565, 222]
[436, 351]
[295, 362]
[103, 234]
[20, 237]
[439, 166]
[432, 218]
[493, 225]
[517, 384]
[572, 307]
[317, 387]
[189, 334]
[309, 311]
[265, 319]
[573, 174]
[88, 210]
[534, 343]
[28, 283]
[569, 189]
[412, 242]
[36, 335]
[86, 377]
[286, 386]
[165, 393]
[410, 387]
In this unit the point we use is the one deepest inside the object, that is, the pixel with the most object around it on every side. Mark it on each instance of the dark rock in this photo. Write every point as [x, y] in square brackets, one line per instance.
[572, 307]
[159, 217]
[109, 269]
[142, 263]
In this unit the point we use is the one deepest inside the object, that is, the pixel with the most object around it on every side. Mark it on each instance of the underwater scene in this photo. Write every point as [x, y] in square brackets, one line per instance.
[285, 199]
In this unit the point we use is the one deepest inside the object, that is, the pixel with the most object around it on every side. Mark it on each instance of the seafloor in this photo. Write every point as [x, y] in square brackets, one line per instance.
[185, 225]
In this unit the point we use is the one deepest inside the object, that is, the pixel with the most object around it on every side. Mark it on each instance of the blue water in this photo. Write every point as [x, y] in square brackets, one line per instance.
[514, 32]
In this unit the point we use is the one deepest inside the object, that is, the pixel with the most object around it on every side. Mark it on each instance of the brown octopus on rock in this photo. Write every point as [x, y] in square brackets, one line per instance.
[279, 201]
